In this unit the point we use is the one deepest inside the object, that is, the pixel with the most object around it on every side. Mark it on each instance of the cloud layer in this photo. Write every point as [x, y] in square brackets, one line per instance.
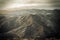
[30, 3]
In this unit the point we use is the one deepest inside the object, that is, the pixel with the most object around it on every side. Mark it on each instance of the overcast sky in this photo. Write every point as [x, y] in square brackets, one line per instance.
[6, 4]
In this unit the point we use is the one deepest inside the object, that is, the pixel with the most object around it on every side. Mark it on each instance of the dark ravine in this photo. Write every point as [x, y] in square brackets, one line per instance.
[30, 23]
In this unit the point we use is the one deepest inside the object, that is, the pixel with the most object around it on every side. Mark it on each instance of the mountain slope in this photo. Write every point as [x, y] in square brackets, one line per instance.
[29, 23]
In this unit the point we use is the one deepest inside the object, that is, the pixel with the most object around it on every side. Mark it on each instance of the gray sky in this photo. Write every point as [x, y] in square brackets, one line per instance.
[6, 4]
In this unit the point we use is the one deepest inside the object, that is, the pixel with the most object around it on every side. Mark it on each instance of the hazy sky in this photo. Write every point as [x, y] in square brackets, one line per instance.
[5, 4]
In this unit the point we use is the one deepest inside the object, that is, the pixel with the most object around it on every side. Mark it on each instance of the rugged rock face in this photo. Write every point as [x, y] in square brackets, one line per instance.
[27, 26]
[30, 23]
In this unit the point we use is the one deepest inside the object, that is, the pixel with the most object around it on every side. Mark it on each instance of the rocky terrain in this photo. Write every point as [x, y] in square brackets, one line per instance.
[31, 24]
